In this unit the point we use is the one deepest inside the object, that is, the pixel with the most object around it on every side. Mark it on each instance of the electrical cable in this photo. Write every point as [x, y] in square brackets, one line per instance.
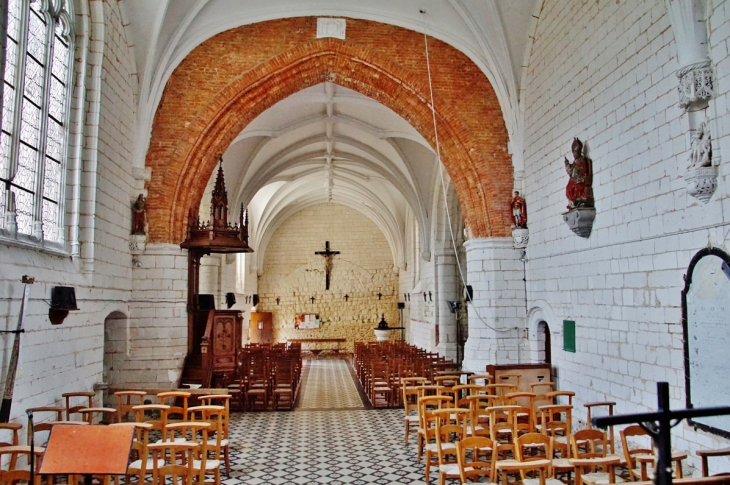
[443, 183]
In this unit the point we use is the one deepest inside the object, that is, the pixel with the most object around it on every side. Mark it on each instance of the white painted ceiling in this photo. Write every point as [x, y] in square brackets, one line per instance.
[328, 143]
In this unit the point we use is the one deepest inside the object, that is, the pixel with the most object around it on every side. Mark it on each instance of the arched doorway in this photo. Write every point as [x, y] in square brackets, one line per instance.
[543, 342]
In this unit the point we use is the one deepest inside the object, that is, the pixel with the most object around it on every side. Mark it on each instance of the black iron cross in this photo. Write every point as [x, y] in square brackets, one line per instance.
[327, 254]
[659, 425]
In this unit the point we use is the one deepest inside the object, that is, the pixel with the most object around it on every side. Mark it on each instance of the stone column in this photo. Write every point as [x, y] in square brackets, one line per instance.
[446, 289]
[498, 314]
[158, 326]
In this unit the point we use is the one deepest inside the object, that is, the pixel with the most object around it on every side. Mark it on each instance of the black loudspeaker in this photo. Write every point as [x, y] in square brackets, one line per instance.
[255, 300]
[230, 299]
[63, 298]
[206, 302]
[401, 305]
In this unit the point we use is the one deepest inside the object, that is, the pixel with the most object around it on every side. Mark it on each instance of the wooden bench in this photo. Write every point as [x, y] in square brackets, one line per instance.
[316, 351]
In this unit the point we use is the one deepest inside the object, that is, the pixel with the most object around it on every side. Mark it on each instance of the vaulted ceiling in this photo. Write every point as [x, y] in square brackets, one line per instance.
[328, 143]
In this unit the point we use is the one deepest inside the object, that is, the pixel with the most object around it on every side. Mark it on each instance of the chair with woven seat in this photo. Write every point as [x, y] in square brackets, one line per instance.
[470, 466]
[540, 447]
[126, 400]
[171, 398]
[209, 459]
[176, 471]
[526, 414]
[553, 424]
[485, 378]
[427, 424]
[630, 453]
[450, 429]
[589, 451]
[154, 414]
[410, 404]
[12, 455]
[141, 464]
[86, 397]
[502, 420]
[221, 400]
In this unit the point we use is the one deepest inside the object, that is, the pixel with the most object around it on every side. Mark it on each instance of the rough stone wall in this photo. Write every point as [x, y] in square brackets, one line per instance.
[364, 268]
[257, 65]
[604, 72]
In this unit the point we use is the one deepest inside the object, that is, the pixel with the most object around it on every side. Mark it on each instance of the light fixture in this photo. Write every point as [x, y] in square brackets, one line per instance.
[63, 300]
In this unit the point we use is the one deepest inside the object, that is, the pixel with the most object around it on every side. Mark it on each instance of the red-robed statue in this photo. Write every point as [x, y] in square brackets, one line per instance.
[580, 187]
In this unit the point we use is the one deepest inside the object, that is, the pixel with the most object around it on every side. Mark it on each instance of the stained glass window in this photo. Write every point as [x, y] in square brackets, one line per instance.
[34, 125]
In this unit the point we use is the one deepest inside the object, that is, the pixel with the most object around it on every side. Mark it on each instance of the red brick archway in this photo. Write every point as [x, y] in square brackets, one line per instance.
[231, 78]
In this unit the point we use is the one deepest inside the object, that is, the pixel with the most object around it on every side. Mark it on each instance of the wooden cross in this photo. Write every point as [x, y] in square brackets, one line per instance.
[327, 254]
[659, 425]
[346, 297]
[312, 298]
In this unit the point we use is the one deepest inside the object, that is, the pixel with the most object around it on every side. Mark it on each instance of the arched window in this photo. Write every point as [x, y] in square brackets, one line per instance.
[36, 97]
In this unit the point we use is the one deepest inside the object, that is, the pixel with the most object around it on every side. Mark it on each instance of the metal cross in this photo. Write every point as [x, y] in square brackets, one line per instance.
[659, 425]
[327, 254]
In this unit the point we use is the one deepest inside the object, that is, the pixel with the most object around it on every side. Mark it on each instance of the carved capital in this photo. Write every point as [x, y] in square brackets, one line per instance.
[696, 85]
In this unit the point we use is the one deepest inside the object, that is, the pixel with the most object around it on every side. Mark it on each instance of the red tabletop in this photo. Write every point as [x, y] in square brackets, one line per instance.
[98, 450]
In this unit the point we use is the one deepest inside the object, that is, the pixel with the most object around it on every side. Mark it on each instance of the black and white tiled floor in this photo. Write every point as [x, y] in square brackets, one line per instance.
[323, 446]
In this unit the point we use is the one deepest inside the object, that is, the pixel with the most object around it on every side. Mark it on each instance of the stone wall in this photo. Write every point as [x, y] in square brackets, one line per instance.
[604, 72]
[364, 268]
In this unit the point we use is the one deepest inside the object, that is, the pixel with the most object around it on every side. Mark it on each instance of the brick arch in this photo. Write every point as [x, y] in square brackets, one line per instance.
[221, 86]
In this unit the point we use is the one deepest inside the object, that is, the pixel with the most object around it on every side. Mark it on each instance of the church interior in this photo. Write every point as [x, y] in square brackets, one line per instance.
[339, 195]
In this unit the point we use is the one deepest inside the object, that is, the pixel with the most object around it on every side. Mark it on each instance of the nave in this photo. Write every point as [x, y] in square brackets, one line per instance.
[330, 437]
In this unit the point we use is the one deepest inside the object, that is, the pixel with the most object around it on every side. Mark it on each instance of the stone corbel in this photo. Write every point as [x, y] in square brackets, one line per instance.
[696, 86]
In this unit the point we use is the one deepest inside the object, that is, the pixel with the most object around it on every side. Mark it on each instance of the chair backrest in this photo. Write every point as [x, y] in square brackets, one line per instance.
[179, 471]
[470, 466]
[553, 395]
[126, 400]
[170, 398]
[485, 378]
[220, 400]
[451, 426]
[552, 421]
[86, 397]
[540, 448]
[629, 453]
[14, 474]
[590, 406]
[42, 416]
[154, 414]
[500, 390]
[90, 413]
[502, 418]
[526, 413]
[139, 447]
[13, 429]
[589, 443]
[213, 416]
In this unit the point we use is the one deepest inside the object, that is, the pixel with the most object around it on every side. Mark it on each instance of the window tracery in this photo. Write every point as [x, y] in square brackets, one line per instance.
[33, 141]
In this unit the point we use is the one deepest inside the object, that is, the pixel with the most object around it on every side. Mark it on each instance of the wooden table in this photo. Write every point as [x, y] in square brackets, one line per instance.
[316, 351]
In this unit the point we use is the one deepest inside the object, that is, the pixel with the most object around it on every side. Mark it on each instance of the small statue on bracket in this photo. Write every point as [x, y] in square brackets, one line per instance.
[701, 176]
[580, 186]
[519, 211]
[579, 191]
[139, 216]
[701, 148]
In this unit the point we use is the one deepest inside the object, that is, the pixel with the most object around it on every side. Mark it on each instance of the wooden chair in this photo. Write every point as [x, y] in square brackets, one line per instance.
[502, 431]
[177, 471]
[410, 405]
[590, 410]
[500, 390]
[485, 378]
[209, 459]
[43, 419]
[105, 415]
[14, 429]
[526, 413]
[706, 454]
[126, 401]
[589, 450]
[175, 412]
[474, 468]
[540, 467]
[88, 396]
[427, 428]
[13, 474]
[540, 447]
[221, 400]
[630, 453]
[153, 414]
[479, 417]
[554, 395]
[552, 424]
[450, 429]
[141, 464]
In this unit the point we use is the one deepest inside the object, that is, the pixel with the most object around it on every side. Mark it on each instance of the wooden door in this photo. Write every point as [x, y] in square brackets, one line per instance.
[262, 328]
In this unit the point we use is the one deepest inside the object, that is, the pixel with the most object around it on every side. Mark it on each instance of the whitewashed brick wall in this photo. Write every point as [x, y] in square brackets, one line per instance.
[604, 72]
[69, 357]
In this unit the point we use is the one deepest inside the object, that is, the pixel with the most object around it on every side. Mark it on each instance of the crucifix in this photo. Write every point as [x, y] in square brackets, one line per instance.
[659, 425]
[327, 254]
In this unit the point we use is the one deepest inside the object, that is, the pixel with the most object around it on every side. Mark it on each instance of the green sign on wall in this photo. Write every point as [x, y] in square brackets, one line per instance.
[569, 335]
